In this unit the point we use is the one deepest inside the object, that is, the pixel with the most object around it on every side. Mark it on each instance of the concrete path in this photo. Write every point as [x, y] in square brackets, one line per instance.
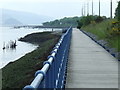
[90, 66]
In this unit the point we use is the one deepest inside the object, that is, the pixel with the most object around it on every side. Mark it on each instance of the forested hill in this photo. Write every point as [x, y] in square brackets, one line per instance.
[64, 22]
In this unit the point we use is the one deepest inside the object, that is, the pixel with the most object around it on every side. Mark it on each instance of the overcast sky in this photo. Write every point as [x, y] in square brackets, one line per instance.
[58, 8]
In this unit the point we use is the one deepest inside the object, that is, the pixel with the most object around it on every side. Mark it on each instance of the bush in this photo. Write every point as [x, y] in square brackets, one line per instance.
[117, 12]
[115, 28]
[89, 19]
[80, 24]
[99, 19]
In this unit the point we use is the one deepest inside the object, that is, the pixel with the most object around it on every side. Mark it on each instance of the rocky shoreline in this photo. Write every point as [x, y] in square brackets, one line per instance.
[103, 44]
[19, 73]
[38, 38]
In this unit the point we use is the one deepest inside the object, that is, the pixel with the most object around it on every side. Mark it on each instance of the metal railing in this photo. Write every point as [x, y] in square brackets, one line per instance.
[53, 73]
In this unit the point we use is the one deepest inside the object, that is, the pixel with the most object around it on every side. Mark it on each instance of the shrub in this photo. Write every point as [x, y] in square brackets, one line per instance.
[115, 28]
[117, 12]
[99, 19]
[89, 19]
[80, 24]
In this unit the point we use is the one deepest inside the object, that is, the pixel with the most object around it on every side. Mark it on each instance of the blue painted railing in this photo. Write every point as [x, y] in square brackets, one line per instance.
[53, 72]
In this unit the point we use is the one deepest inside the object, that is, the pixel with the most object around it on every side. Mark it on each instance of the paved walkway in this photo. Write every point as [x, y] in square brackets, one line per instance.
[90, 66]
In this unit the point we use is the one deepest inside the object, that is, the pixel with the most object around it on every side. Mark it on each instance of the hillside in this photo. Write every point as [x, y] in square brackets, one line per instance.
[12, 17]
[105, 31]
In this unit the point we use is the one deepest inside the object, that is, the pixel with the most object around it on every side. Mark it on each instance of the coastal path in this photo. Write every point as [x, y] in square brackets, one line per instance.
[90, 65]
[77, 61]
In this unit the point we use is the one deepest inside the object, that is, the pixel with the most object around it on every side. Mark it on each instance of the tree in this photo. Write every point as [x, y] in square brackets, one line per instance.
[80, 24]
[117, 12]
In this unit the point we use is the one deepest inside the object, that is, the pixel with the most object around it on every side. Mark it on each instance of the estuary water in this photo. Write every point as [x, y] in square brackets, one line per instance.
[9, 33]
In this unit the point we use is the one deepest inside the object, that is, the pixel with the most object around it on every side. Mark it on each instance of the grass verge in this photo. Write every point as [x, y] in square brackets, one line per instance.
[103, 32]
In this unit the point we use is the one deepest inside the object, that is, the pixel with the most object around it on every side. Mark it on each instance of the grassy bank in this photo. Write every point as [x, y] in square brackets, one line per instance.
[21, 72]
[103, 31]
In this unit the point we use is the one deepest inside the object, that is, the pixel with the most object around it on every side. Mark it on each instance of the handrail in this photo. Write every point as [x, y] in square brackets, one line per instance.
[52, 74]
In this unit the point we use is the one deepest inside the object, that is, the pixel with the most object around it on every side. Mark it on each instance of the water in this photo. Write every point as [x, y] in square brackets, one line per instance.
[7, 34]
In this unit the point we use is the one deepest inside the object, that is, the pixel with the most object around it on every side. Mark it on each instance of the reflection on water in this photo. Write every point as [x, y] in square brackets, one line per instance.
[12, 54]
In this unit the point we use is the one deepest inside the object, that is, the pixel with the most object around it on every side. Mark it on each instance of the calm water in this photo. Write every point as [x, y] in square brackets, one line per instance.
[7, 34]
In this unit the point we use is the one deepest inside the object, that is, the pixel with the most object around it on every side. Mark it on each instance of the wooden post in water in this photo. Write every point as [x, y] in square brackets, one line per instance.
[3, 45]
[52, 29]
